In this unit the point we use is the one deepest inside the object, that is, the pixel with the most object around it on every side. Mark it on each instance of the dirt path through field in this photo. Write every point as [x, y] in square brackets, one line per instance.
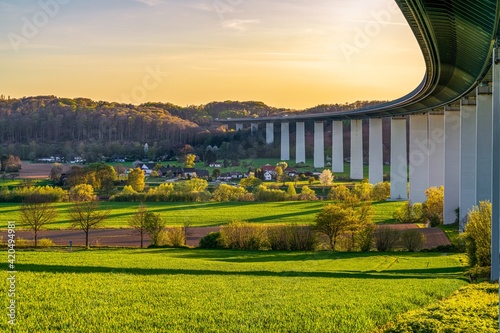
[130, 238]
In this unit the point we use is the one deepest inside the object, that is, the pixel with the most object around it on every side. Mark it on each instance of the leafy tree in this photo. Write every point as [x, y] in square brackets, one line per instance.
[225, 192]
[434, 205]
[478, 235]
[75, 176]
[250, 182]
[189, 161]
[307, 194]
[36, 211]
[56, 172]
[326, 178]
[333, 221]
[138, 222]
[154, 225]
[86, 215]
[216, 173]
[136, 179]
[82, 192]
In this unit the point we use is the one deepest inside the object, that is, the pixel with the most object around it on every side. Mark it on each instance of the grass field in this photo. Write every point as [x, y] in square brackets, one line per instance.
[206, 214]
[172, 290]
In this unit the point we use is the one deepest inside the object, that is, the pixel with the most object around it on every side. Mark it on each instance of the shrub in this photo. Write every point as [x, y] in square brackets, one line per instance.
[381, 191]
[338, 193]
[409, 213]
[172, 237]
[433, 206]
[291, 238]
[21, 242]
[365, 237]
[478, 235]
[244, 236]
[307, 194]
[413, 240]
[46, 242]
[386, 239]
[363, 190]
[212, 241]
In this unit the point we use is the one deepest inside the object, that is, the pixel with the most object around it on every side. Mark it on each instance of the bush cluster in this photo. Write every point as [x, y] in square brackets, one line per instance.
[246, 236]
[51, 194]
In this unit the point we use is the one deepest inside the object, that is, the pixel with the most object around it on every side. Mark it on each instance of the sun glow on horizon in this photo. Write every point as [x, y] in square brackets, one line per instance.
[293, 54]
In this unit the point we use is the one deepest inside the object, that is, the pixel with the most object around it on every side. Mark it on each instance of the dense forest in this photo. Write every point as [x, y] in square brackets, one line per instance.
[35, 127]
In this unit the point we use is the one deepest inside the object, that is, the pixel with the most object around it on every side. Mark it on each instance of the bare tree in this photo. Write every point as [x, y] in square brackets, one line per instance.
[36, 211]
[138, 222]
[86, 215]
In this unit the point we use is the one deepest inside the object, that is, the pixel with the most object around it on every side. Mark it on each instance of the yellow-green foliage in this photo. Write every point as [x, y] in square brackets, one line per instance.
[244, 236]
[381, 191]
[478, 235]
[307, 194]
[363, 190]
[55, 194]
[162, 189]
[45, 242]
[225, 192]
[179, 290]
[472, 309]
[173, 237]
[339, 192]
[127, 189]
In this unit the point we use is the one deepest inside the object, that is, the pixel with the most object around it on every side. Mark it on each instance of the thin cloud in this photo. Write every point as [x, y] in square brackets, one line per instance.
[204, 7]
[150, 2]
[240, 25]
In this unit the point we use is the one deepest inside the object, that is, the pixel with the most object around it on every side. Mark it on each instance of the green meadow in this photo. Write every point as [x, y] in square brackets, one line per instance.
[206, 213]
[181, 290]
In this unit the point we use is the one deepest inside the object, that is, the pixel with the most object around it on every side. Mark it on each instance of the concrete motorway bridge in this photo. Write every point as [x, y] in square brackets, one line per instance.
[454, 116]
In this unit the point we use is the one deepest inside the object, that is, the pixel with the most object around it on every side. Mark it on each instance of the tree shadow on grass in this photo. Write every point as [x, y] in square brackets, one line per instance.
[433, 273]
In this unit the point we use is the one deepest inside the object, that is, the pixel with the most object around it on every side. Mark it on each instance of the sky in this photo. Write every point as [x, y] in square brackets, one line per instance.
[285, 53]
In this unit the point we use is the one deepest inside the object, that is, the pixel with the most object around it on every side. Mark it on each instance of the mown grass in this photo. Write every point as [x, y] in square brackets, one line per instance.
[205, 214]
[168, 290]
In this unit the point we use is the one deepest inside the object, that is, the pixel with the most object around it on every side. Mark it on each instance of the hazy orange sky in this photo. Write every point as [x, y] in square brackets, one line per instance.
[296, 53]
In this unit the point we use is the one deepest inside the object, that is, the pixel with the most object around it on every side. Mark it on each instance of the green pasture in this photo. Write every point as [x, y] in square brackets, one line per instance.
[205, 213]
[181, 290]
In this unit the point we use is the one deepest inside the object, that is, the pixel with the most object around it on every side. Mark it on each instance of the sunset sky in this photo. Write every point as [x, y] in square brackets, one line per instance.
[286, 53]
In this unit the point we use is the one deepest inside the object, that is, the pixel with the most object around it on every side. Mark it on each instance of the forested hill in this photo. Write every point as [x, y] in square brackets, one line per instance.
[48, 119]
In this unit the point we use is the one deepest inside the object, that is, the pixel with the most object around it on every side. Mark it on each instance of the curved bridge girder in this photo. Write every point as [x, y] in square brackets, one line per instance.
[456, 38]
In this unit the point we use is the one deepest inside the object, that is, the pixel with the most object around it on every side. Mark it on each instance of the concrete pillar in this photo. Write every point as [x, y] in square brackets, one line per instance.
[254, 127]
[399, 164]
[484, 147]
[495, 200]
[468, 156]
[300, 143]
[285, 141]
[239, 127]
[451, 165]
[319, 145]
[337, 146]
[270, 133]
[376, 157]
[357, 149]
[436, 149]
[419, 157]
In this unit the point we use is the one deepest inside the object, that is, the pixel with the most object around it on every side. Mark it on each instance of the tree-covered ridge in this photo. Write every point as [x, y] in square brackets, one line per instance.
[52, 119]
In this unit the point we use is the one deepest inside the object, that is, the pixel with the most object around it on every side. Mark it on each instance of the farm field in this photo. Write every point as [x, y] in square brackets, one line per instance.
[179, 290]
[206, 214]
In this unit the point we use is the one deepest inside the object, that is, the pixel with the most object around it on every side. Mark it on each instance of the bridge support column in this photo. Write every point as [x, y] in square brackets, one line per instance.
[337, 146]
[451, 165]
[376, 158]
[270, 133]
[399, 162]
[254, 127]
[357, 149]
[319, 145]
[468, 157]
[436, 149]
[495, 225]
[285, 141]
[419, 157]
[239, 127]
[484, 147]
[300, 143]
